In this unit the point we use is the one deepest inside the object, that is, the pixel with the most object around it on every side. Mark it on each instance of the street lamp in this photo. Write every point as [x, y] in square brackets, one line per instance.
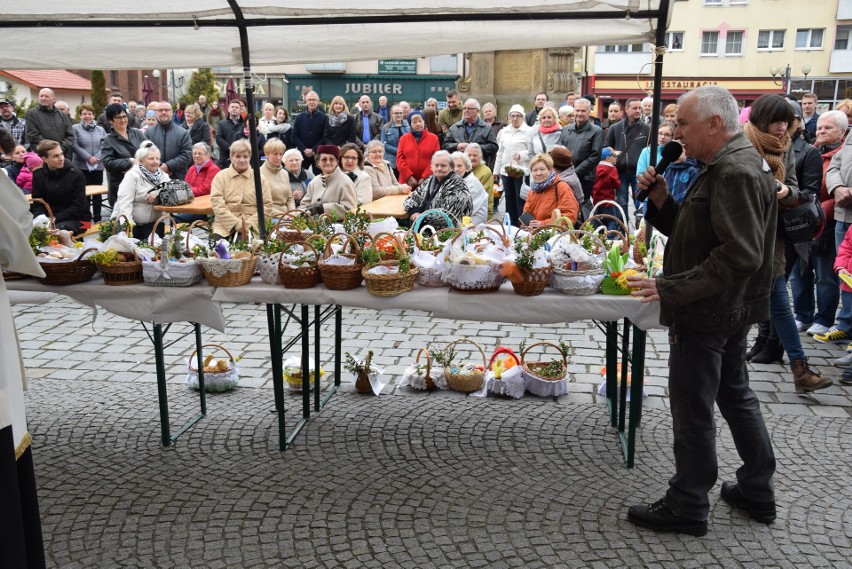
[174, 83]
[784, 78]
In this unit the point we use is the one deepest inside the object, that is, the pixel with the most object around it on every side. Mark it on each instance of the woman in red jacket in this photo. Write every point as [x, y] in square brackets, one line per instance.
[415, 150]
[201, 176]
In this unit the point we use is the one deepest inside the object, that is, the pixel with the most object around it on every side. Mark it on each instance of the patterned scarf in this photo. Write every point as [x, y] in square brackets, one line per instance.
[541, 186]
[770, 147]
[337, 120]
[88, 126]
[153, 177]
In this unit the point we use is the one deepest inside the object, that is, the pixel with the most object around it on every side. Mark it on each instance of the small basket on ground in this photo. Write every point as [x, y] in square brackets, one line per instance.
[577, 279]
[545, 378]
[336, 273]
[172, 274]
[64, 273]
[220, 375]
[495, 373]
[393, 282]
[466, 378]
[306, 275]
[427, 379]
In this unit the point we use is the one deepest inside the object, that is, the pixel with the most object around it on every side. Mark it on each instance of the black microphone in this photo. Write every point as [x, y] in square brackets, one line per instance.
[670, 153]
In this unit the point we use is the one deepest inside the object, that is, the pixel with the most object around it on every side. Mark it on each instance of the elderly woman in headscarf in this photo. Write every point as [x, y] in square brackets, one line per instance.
[233, 197]
[332, 191]
[442, 190]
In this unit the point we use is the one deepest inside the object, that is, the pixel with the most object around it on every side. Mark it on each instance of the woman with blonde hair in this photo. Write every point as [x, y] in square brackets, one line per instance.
[548, 193]
[232, 195]
[199, 129]
[276, 176]
[340, 126]
[670, 113]
[547, 133]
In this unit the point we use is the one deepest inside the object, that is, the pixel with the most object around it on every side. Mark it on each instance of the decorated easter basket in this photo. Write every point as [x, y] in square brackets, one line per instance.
[390, 283]
[477, 278]
[534, 281]
[222, 376]
[495, 382]
[545, 378]
[337, 274]
[68, 272]
[460, 378]
[168, 273]
[429, 250]
[304, 276]
[579, 280]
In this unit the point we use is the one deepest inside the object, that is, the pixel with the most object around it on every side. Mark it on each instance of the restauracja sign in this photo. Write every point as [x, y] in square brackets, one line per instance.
[681, 84]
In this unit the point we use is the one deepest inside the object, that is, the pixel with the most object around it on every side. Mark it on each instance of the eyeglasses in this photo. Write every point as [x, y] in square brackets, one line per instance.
[349, 158]
[120, 118]
[665, 135]
[470, 108]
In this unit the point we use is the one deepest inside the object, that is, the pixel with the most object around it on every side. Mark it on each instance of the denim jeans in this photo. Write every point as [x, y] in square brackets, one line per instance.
[782, 317]
[708, 367]
[844, 318]
[512, 195]
[819, 275]
[611, 224]
[625, 192]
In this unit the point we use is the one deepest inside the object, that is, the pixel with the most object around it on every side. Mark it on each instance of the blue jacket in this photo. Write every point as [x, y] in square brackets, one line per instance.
[679, 176]
[390, 138]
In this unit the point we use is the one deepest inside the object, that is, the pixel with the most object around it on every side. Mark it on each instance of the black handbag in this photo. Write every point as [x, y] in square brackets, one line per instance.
[173, 192]
[804, 222]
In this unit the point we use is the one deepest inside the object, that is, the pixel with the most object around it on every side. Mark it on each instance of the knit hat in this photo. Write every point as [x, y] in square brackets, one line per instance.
[151, 114]
[607, 152]
[517, 109]
[562, 157]
[329, 149]
[32, 161]
[416, 112]
[797, 108]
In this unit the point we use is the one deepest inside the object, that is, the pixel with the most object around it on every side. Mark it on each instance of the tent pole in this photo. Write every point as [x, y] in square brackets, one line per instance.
[248, 83]
[658, 76]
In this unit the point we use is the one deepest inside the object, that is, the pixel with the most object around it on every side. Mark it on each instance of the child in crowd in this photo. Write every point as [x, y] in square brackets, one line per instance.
[843, 269]
[32, 162]
[606, 183]
[16, 163]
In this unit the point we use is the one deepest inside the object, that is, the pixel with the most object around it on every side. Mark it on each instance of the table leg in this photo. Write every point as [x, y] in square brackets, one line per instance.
[625, 369]
[202, 392]
[317, 383]
[636, 388]
[162, 391]
[612, 370]
[273, 321]
[306, 373]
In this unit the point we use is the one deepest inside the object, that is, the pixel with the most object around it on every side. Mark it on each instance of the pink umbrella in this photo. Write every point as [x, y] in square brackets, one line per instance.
[230, 91]
[147, 90]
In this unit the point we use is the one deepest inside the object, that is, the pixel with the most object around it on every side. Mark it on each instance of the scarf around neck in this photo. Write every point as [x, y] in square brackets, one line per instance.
[153, 177]
[539, 187]
[337, 120]
[88, 127]
[770, 147]
[549, 129]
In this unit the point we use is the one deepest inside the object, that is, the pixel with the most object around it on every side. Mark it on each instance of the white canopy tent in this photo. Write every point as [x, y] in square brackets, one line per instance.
[53, 34]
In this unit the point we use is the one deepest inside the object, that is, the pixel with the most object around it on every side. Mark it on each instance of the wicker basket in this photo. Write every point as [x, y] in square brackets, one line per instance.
[532, 369]
[391, 284]
[495, 385]
[535, 281]
[13, 276]
[577, 282]
[214, 381]
[430, 276]
[284, 232]
[430, 385]
[475, 279]
[51, 220]
[124, 273]
[341, 277]
[228, 272]
[305, 276]
[63, 273]
[417, 227]
[611, 234]
[469, 381]
[172, 274]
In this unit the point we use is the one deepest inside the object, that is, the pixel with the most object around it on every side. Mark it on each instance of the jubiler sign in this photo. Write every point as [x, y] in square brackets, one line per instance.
[355, 88]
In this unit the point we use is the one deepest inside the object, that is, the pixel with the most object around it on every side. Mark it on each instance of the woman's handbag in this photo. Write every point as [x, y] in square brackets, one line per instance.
[173, 192]
[804, 222]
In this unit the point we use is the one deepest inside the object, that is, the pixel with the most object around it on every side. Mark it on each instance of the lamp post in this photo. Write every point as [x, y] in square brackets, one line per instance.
[173, 83]
[782, 77]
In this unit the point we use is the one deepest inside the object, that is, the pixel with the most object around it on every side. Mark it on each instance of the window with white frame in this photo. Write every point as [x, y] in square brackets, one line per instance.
[734, 43]
[842, 38]
[809, 38]
[709, 43]
[770, 39]
[712, 2]
[629, 48]
[674, 41]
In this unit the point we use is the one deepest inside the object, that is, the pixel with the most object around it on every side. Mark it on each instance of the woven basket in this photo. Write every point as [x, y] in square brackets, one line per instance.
[503, 351]
[228, 272]
[283, 230]
[214, 381]
[51, 219]
[306, 276]
[430, 385]
[432, 277]
[611, 234]
[495, 385]
[535, 281]
[13, 276]
[63, 273]
[464, 382]
[476, 279]
[124, 273]
[417, 227]
[341, 277]
[577, 282]
[172, 274]
[531, 369]
[391, 284]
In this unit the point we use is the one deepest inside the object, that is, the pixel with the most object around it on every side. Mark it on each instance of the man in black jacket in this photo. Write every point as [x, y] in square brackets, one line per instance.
[228, 131]
[45, 122]
[538, 105]
[309, 128]
[715, 284]
[585, 141]
[471, 129]
[629, 135]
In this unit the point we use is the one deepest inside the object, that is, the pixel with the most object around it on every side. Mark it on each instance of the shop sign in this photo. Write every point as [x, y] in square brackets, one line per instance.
[397, 66]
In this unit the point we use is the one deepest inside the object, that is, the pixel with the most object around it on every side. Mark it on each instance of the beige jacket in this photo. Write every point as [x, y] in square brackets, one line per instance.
[336, 193]
[233, 200]
[383, 181]
[279, 186]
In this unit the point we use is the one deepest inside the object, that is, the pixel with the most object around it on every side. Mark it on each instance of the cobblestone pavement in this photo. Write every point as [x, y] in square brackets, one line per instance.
[406, 479]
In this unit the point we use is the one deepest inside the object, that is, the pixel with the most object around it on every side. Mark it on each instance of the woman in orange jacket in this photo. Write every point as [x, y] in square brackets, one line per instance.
[548, 193]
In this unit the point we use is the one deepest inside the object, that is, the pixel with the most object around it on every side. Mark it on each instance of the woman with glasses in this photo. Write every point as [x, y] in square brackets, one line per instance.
[382, 180]
[352, 162]
[513, 153]
[332, 191]
[118, 148]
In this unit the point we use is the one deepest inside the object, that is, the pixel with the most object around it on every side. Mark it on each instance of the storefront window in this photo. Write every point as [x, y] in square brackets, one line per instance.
[824, 89]
[844, 89]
